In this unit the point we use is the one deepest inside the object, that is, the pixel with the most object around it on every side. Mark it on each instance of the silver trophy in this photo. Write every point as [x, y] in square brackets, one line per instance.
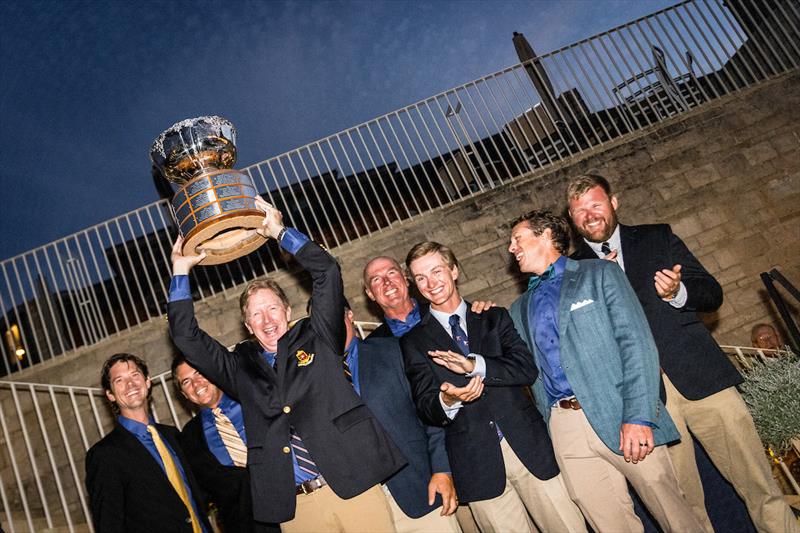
[214, 205]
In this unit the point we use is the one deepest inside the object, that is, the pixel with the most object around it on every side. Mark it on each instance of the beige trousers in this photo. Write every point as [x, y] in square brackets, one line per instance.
[323, 511]
[595, 477]
[432, 522]
[547, 501]
[724, 427]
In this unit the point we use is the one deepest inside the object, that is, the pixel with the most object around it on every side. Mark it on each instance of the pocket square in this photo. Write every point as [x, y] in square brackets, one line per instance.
[583, 303]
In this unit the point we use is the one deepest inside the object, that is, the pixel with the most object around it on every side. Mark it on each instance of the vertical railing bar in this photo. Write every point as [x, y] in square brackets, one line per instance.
[54, 321]
[459, 146]
[35, 297]
[614, 65]
[601, 107]
[378, 226]
[302, 188]
[273, 202]
[316, 194]
[551, 138]
[354, 175]
[149, 283]
[515, 119]
[786, 17]
[411, 194]
[437, 149]
[514, 150]
[14, 467]
[78, 420]
[71, 460]
[421, 163]
[100, 330]
[58, 296]
[576, 120]
[381, 181]
[367, 177]
[444, 141]
[714, 71]
[34, 467]
[22, 335]
[338, 190]
[346, 182]
[122, 280]
[686, 46]
[525, 117]
[478, 140]
[109, 304]
[146, 240]
[170, 404]
[489, 133]
[290, 191]
[742, 14]
[156, 234]
[290, 188]
[25, 305]
[734, 47]
[622, 108]
[399, 170]
[784, 35]
[713, 48]
[6, 507]
[56, 476]
[171, 240]
[124, 244]
[736, 26]
[3, 345]
[96, 415]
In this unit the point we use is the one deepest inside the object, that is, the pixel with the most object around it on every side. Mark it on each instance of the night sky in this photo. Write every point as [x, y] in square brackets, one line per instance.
[85, 87]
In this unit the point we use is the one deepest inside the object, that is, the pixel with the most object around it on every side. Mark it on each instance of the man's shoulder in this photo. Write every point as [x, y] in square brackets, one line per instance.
[110, 444]
[382, 331]
[646, 230]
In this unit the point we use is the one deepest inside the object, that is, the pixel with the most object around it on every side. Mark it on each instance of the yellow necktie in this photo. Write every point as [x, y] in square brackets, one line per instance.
[230, 438]
[174, 476]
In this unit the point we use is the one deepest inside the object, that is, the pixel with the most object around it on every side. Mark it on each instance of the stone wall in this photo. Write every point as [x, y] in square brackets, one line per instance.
[727, 177]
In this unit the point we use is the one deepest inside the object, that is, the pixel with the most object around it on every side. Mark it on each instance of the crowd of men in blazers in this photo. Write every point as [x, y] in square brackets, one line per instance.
[555, 415]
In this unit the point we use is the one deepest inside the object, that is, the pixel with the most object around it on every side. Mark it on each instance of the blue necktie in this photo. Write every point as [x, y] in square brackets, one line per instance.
[459, 335]
[304, 461]
[536, 280]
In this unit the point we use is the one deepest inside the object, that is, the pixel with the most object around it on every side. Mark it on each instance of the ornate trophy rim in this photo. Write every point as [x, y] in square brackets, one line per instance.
[213, 120]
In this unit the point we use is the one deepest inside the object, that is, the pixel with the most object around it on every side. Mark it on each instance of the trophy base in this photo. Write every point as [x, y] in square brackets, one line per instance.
[226, 237]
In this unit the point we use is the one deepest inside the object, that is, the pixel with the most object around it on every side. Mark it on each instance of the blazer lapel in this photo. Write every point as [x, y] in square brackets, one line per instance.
[569, 287]
[366, 364]
[436, 333]
[631, 254]
[475, 326]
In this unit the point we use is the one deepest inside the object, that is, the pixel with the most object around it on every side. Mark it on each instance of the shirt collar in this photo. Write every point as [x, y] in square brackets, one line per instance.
[554, 270]
[444, 318]
[400, 327]
[134, 426]
[613, 242]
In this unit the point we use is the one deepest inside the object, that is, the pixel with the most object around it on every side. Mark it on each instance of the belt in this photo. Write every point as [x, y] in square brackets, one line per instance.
[307, 487]
[569, 403]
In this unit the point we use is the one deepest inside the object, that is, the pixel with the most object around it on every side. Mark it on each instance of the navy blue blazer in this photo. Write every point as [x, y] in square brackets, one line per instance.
[386, 392]
[471, 437]
[688, 354]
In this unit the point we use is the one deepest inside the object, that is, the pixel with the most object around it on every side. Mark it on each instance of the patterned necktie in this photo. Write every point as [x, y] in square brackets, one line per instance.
[536, 280]
[605, 248]
[459, 335]
[347, 373]
[304, 461]
[230, 438]
[174, 476]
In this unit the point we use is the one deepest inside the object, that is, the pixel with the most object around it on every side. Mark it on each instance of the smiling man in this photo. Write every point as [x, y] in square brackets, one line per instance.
[467, 373]
[598, 380]
[216, 446]
[137, 476]
[315, 453]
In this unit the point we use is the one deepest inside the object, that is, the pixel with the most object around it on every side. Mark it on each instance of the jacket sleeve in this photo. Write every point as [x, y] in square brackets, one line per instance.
[514, 365]
[106, 492]
[202, 351]
[424, 383]
[638, 352]
[327, 302]
[704, 293]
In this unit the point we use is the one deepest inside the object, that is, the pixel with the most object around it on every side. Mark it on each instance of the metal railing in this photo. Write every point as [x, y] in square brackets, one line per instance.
[113, 276]
[47, 429]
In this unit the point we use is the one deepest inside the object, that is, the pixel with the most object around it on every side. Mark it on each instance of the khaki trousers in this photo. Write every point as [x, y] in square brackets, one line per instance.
[432, 522]
[547, 501]
[595, 477]
[322, 511]
[724, 427]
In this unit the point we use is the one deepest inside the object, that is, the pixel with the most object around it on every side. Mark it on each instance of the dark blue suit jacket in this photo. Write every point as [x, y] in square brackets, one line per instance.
[386, 392]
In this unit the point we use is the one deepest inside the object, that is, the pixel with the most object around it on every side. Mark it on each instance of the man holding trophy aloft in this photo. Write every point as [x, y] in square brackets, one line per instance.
[316, 455]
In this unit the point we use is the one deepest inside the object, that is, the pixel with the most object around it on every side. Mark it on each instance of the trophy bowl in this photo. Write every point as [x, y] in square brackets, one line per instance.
[214, 205]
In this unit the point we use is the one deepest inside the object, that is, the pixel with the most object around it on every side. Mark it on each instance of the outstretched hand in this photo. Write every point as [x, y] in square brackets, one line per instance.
[668, 282]
[452, 361]
[468, 393]
[273, 219]
[182, 264]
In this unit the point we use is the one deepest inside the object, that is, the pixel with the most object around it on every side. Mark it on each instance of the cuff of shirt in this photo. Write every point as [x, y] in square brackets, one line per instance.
[292, 240]
[480, 366]
[641, 423]
[450, 410]
[179, 288]
[680, 298]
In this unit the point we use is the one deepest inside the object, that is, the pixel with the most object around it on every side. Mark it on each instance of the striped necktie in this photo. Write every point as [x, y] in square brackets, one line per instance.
[230, 438]
[347, 372]
[174, 476]
[605, 249]
[304, 461]
[459, 335]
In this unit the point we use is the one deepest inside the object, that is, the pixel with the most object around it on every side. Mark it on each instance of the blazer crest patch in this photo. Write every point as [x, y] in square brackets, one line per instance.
[304, 358]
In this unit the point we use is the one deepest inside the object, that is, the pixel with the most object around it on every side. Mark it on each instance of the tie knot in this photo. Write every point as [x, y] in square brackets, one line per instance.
[455, 321]
[605, 248]
[217, 411]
